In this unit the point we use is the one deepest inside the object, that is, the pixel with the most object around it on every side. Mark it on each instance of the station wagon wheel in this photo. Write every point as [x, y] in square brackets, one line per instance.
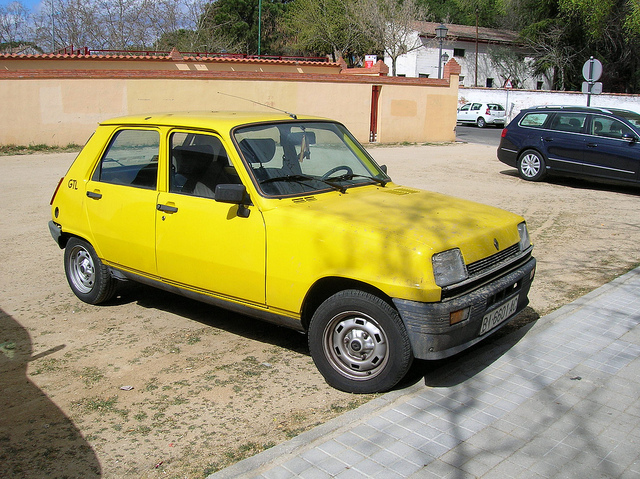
[359, 343]
[531, 166]
[88, 278]
[481, 123]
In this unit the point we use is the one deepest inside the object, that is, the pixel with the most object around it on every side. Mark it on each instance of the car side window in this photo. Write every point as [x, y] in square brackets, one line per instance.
[465, 107]
[199, 163]
[534, 120]
[476, 106]
[131, 159]
[570, 122]
[609, 127]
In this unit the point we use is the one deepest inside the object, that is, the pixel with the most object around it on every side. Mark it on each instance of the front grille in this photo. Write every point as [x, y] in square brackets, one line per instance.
[491, 262]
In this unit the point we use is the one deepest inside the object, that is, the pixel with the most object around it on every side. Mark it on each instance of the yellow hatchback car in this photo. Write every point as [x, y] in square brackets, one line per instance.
[289, 220]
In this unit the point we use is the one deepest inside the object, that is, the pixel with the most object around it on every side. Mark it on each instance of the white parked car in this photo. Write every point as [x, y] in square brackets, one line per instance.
[482, 114]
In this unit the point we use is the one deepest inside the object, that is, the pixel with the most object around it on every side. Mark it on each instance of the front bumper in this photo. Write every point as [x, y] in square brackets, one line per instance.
[428, 324]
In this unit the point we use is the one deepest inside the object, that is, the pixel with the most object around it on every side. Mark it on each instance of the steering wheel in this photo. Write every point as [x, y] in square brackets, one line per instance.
[347, 169]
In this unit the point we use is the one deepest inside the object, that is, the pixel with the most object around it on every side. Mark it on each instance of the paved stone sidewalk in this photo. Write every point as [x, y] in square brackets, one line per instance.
[560, 398]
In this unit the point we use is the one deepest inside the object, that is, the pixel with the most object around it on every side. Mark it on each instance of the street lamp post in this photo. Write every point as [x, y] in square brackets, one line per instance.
[441, 34]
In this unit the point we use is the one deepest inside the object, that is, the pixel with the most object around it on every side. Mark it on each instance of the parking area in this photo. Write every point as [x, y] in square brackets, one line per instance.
[154, 385]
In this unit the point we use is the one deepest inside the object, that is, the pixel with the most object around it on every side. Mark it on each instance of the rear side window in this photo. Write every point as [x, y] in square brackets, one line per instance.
[570, 122]
[534, 120]
[131, 159]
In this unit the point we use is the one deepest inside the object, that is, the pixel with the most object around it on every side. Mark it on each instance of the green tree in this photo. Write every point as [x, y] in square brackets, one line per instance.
[239, 21]
[326, 27]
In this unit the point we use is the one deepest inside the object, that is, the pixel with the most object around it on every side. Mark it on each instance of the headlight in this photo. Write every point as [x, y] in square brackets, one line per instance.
[525, 242]
[448, 267]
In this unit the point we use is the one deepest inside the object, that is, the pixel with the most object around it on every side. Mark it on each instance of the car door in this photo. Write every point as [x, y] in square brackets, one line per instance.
[463, 112]
[202, 244]
[121, 200]
[609, 153]
[564, 142]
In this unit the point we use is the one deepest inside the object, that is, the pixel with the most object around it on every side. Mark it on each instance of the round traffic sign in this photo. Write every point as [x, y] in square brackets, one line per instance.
[592, 69]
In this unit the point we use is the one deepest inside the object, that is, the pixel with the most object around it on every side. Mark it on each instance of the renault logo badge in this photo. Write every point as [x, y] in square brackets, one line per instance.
[496, 244]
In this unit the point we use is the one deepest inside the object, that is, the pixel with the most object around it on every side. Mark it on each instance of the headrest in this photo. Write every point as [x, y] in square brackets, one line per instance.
[193, 158]
[258, 150]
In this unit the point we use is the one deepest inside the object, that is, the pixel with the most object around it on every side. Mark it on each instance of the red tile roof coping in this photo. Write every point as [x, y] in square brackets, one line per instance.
[174, 57]
[216, 75]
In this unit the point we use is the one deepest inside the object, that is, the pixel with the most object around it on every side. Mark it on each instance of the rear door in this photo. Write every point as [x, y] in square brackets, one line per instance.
[608, 154]
[121, 200]
[564, 142]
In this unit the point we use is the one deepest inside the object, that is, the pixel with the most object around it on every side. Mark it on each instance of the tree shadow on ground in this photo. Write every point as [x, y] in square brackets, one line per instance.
[36, 438]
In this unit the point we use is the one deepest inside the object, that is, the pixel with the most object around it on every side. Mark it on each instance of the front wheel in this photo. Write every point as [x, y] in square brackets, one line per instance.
[88, 278]
[531, 166]
[359, 343]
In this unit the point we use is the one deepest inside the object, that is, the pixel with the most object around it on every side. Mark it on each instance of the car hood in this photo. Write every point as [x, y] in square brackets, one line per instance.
[405, 218]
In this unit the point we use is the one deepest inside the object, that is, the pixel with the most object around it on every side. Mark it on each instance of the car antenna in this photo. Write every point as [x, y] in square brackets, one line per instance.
[292, 115]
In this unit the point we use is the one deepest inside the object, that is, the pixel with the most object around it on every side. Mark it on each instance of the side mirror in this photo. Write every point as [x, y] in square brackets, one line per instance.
[235, 195]
[629, 138]
[384, 168]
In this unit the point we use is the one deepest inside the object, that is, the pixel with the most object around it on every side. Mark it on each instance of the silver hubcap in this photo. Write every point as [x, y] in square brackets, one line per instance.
[83, 272]
[530, 165]
[355, 345]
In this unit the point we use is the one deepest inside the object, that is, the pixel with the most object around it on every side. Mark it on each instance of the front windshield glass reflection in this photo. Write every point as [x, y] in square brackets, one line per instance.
[299, 158]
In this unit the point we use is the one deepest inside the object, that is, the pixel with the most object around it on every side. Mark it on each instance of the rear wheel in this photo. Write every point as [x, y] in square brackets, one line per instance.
[359, 343]
[481, 123]
[531, 166]
[88, 278]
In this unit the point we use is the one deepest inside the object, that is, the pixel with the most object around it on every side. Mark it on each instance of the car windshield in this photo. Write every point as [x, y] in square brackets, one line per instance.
[631, 116]
[303, 157]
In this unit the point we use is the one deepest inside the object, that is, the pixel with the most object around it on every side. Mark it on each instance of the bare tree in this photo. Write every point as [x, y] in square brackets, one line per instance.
[13, 23]
[390, 25]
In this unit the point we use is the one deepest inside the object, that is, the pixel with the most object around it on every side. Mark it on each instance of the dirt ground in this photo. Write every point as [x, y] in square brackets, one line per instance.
[154, 385]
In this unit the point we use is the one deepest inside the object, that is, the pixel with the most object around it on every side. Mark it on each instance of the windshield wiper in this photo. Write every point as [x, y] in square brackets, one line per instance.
[351, 176]
[302, 178]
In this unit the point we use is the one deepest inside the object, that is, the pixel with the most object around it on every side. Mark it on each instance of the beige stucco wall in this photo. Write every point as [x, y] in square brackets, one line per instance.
[59, 111]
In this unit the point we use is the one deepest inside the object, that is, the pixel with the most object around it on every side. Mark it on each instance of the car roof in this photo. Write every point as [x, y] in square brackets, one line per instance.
[219, 120]
[585, 109]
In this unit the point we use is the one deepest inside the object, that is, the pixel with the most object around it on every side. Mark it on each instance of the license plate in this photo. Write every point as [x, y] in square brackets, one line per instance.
[498, 315]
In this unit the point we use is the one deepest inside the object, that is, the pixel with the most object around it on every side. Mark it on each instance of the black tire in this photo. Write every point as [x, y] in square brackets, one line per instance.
[531, 166]
[88, 278]
[481, 123]
[359, 343]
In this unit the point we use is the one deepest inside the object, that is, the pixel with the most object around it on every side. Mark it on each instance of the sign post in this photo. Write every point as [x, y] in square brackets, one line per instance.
[591, 71]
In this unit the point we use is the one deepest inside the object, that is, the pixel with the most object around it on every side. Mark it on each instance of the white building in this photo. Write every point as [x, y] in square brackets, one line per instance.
[501, 58]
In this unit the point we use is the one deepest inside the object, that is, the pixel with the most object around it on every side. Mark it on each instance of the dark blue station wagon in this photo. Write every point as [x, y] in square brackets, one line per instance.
[574, 141]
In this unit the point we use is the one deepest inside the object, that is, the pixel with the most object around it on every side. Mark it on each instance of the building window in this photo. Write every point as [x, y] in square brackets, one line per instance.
[539, 85]
[489, 82]
[401, 75]
[423, 75]
[458, 52]
[461, 78]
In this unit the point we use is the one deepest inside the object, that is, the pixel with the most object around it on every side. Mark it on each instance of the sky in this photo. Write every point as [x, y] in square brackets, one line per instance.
[29, 4]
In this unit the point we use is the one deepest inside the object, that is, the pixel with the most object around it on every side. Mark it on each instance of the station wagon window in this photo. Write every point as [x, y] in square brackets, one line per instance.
[570, 122]
[199, 163]
[609, 127]
[534, 120]
[131, 159]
